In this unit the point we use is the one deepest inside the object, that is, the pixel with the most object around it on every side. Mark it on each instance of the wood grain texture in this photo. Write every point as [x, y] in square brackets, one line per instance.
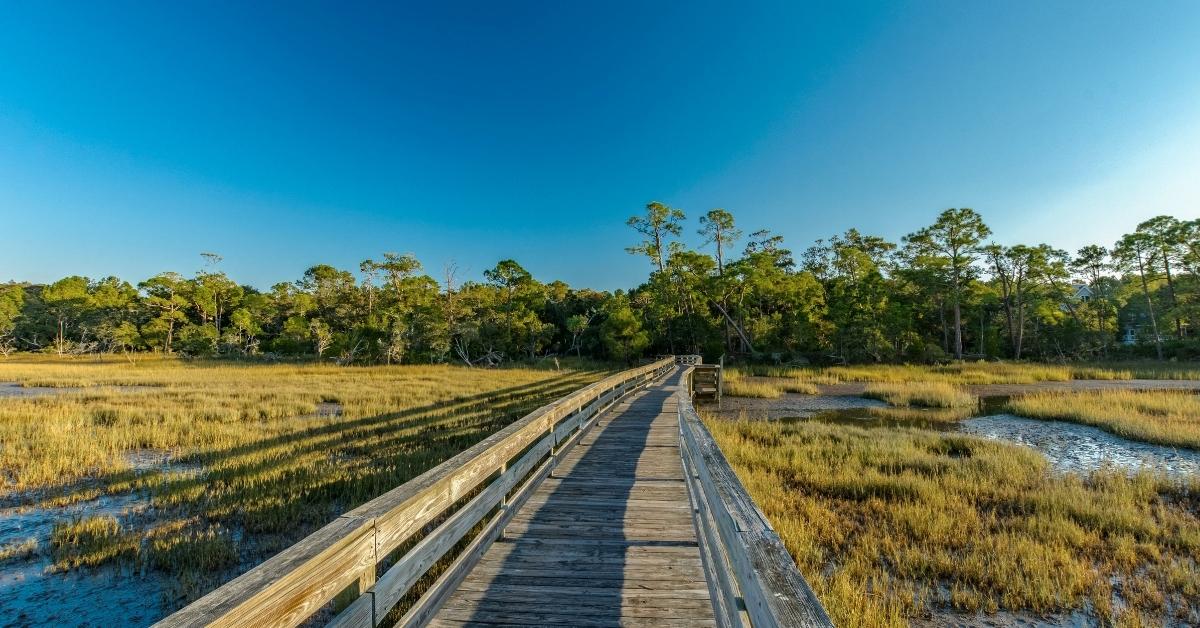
[608, 541]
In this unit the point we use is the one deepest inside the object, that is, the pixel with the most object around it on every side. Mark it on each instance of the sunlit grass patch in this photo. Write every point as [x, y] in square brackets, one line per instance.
[802, 374]
[925, 394]
[976, 373]
[1147, 369]
[922, 415]
[1162, 417]
[745, 388]
[891, 525]
[805, 375]
[764, 370]
[736, 384]
[18, 550]
[91, 541]
[964, 373]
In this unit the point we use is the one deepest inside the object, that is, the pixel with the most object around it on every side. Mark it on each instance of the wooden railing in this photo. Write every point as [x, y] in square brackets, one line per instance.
[752, 578]
[414, 526]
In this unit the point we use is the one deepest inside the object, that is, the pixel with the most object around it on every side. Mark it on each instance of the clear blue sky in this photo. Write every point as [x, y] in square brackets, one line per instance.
[133, 136]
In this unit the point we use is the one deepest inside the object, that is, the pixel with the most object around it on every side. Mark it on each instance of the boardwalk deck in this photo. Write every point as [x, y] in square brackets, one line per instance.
[641, 522]
[608, 540]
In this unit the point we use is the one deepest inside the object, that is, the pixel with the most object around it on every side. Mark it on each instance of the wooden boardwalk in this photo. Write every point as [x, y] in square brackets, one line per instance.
[611, 506]
[607, 540]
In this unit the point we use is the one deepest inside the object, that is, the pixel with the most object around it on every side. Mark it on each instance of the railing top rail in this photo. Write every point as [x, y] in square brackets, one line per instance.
[774, 591]
[290, 586]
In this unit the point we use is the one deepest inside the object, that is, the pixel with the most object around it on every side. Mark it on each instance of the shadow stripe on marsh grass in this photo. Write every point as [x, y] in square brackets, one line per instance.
[335, 431]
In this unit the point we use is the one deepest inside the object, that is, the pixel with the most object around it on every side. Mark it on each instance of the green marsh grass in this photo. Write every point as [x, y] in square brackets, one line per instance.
[894, 525]
[1163, 417]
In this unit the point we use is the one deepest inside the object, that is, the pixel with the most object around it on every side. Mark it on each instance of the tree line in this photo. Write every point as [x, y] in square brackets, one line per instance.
[944, 291]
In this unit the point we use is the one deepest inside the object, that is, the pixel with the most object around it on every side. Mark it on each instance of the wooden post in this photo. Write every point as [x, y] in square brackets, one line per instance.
[503, 500]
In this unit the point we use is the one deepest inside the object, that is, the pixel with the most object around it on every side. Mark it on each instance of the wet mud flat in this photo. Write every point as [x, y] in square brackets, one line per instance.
[16, 389]
[33, 592]
[1071, 447]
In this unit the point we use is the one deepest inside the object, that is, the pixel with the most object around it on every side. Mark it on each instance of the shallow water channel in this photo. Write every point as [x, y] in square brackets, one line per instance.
[1069, 447]
[1082, 448]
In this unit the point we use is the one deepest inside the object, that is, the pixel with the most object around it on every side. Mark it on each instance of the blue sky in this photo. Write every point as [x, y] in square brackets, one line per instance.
[133, 136]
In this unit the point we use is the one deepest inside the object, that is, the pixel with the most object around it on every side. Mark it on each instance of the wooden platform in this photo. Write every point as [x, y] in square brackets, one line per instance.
[607, 540]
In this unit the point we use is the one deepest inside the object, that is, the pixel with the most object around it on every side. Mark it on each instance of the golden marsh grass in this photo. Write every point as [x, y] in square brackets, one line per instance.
[248, 450]
[18, 550]
[735, 384]
[1163, 417]
[969, 373]
[924, 394]
[893, 525]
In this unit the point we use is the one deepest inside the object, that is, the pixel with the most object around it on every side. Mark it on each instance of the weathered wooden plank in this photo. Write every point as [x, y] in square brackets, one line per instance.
[431, 600]
[565, 618]
[288, 588]
[616, 603]
[525, 620]
[723, 590]
[553, 592]
[394, 584]
[361, 612]
[582, 551]
[653, 577]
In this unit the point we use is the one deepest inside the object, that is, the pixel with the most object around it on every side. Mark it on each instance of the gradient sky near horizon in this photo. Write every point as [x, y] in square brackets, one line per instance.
[135, 135]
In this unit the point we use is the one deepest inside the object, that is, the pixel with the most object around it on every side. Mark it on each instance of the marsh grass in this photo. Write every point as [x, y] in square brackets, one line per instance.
[894, 524]
[923, 394]
[91, 541]
[179, 551]
[964, 373]
[247, 449]
[969, 373]
[736, 384]
[922, 415]
[806, 375]
[797, 386]
[1162, 417]
[1155, 370]
[18, 550]
[745, 388]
